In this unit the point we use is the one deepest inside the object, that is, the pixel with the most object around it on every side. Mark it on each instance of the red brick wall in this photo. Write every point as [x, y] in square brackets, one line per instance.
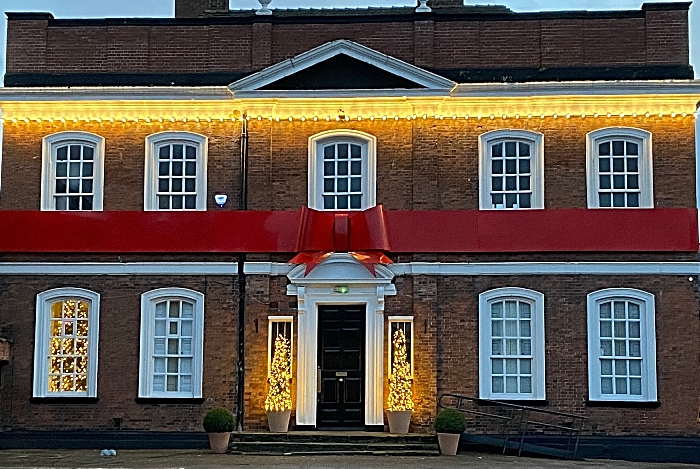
[656, 38]
[117, 386]
[677, 330]
[445, 311]
[431, 164]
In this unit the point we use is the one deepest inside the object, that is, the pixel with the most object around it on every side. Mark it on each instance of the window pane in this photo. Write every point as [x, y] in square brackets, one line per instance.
[605, 200]
[525, 384]
[497, 384]
[497, 366]
[606, 386]
[618, 148]
[604, 149]
[633, 200]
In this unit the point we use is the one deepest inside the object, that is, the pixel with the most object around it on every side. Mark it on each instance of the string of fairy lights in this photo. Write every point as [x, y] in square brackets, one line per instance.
[339, 118]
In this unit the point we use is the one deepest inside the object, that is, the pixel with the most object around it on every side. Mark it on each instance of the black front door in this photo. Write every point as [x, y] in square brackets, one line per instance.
[341, 359]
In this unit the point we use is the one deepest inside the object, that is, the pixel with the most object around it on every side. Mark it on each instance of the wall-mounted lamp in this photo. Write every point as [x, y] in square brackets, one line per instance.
[220, 200]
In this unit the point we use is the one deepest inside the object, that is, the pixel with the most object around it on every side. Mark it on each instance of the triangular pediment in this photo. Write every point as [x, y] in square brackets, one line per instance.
[342, 65]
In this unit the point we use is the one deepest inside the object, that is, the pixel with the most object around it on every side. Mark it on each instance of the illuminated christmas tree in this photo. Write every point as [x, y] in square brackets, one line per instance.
[400, 393]
[279, 396]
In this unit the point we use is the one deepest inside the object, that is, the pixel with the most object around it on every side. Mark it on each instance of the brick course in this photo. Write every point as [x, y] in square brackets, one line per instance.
[514, 40]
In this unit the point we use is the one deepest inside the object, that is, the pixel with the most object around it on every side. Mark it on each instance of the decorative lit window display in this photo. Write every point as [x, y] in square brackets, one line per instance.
[622, 345]
[279, 326]
[68, 347]
[66, 351]
[175, 171]
[342, 168]
[620, 168]
[511, 344]
[72, 171]
[404, 323]
[171, 343]
[511, 170]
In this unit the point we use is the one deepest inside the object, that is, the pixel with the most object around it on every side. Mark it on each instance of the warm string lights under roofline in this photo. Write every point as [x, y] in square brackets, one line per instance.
[131, 119]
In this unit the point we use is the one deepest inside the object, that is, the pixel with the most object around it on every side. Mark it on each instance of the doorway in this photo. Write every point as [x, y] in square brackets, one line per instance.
[341, 366]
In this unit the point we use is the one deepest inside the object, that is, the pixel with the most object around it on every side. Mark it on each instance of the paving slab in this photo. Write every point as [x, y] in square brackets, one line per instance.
[192, 459]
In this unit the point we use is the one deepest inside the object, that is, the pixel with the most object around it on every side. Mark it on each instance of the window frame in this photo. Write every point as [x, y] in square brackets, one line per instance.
[369, 164]
[148, 302]
[153, 141]
[270, 341]
[42, 335]
[48, 173]
[537, 337]
[536, 139]
[390, 341]
[648, 343]
[646, 164]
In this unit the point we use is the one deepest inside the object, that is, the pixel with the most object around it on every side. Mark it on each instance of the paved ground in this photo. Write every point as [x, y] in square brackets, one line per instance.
[204, 460]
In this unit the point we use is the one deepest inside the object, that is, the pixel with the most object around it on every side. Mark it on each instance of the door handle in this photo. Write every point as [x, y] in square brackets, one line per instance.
[318, 380]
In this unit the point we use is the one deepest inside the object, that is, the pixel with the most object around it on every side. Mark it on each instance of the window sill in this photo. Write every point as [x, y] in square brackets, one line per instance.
[64, 400]
[169, 400]
[625, 404]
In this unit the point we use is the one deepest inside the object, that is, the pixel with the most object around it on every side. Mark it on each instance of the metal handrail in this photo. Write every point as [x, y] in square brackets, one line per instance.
[519, 417]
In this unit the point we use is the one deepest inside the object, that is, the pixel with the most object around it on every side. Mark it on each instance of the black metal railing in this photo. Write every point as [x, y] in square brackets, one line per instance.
[518, 427]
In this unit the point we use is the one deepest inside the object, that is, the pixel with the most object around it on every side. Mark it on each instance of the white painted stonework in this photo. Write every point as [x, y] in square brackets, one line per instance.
[317, 289]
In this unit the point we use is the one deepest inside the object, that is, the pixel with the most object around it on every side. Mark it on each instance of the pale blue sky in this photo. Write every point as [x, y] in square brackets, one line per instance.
[155, 8]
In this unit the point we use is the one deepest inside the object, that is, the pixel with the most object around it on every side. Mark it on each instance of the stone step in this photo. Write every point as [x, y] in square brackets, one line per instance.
[317, 443]
[339, 437]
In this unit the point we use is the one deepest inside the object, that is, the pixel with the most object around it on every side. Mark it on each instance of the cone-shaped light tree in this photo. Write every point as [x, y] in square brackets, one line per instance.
[279, 396]
[400, 392]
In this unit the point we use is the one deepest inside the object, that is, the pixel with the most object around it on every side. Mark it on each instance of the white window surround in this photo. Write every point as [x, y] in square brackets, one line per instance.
[148, 302]
[536, 140]
[270, 340]
[536, 299]
[646, 166]
[153, 142]
[648, 344]
[400, 319]
[42, 336]
[368, 143]
[48, 176]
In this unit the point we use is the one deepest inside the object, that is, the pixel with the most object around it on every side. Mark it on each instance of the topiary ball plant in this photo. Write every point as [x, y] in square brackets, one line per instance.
[219, 420]
[450, 421]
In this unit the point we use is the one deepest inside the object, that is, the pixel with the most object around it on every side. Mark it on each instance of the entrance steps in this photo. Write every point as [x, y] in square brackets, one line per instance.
[310, 443]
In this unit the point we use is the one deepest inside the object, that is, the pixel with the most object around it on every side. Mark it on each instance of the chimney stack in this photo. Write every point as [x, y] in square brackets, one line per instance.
[198, 8]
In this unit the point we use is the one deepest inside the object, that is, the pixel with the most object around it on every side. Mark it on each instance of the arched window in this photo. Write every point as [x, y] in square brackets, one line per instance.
[172, 337]
[511, 344]
[620, 169]
[511, 170]
[176, 171]
[65, 352]
[621, 345]
[72, 171]
[342, 170]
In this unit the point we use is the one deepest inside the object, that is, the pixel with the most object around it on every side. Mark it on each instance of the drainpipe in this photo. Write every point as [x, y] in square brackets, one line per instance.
[242, 205]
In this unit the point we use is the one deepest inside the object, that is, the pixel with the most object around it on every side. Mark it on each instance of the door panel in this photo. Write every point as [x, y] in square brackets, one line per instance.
[341, 356]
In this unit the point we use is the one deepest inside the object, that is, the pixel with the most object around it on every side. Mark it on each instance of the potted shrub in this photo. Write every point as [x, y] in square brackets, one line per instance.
[400, 403]
[449, 425]
[278, 402]
[219, 423]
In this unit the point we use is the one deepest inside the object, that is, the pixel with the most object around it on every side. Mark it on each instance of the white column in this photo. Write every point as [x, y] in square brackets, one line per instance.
[306, 361]
[374, 368]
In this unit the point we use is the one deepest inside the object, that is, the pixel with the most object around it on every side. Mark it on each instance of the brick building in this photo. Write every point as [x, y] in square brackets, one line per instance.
[515, 191]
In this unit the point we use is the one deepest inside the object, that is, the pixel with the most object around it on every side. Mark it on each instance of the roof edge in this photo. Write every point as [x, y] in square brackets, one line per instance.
[679, 6]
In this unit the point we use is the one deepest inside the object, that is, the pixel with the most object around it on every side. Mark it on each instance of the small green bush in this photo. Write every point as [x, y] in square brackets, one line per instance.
[450, 421]
[219, 420]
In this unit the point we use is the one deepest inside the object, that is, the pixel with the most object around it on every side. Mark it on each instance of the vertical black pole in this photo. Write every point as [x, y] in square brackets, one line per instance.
[242, 205]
